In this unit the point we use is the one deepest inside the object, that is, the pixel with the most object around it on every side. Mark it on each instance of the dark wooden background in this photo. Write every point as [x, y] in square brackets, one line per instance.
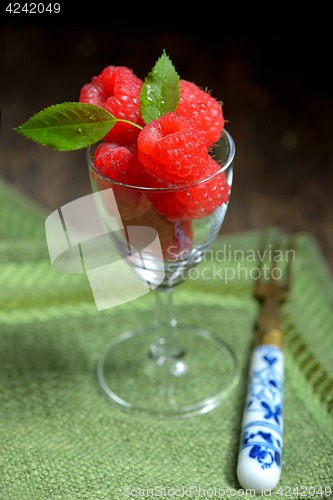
[278, 99]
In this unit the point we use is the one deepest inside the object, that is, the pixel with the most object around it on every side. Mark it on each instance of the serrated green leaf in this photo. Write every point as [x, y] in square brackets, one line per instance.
[68, 126]
[160, 92]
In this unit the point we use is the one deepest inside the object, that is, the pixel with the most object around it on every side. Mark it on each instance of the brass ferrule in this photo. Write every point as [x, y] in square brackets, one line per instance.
[272, 337]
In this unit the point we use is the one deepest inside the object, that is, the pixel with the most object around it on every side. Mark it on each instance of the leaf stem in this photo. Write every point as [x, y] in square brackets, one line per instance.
[131, 123]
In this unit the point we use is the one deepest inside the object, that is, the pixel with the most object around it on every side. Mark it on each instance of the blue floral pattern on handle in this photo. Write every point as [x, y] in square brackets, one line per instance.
[263, 433]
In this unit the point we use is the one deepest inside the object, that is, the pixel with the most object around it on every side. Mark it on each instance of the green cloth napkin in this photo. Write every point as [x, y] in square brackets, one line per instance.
[62, 438]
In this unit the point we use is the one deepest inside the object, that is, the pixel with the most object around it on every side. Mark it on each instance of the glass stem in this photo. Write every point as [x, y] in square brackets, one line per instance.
[166, 343]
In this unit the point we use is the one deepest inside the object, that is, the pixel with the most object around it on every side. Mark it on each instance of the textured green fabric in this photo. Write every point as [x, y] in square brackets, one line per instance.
[60, 436]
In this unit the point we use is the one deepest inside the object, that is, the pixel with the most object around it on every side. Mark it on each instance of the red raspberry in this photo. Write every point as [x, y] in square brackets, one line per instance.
[117, 90]
[172, 150]
[121, 164]
[94, 93]
[202, 109]
[196, 202]
[119, 80]
[112, 159]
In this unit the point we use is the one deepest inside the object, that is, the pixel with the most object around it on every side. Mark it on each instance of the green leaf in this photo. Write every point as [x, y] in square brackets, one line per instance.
[160, 92]
[68, 126]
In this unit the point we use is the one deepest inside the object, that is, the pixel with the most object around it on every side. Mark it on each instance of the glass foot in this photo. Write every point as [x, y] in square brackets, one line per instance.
[195, 380]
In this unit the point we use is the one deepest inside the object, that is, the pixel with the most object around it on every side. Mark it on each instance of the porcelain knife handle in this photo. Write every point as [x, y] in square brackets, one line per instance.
[260, 451]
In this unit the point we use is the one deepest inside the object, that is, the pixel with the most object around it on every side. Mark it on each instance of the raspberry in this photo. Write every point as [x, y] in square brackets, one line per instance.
[172, 150]
[125, 108]
[117, 90]
[111, 160]
[196, 202]
[121, 164]
[202, 109]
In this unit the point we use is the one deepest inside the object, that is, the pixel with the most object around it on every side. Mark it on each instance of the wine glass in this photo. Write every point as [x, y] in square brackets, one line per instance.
[165, 369]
